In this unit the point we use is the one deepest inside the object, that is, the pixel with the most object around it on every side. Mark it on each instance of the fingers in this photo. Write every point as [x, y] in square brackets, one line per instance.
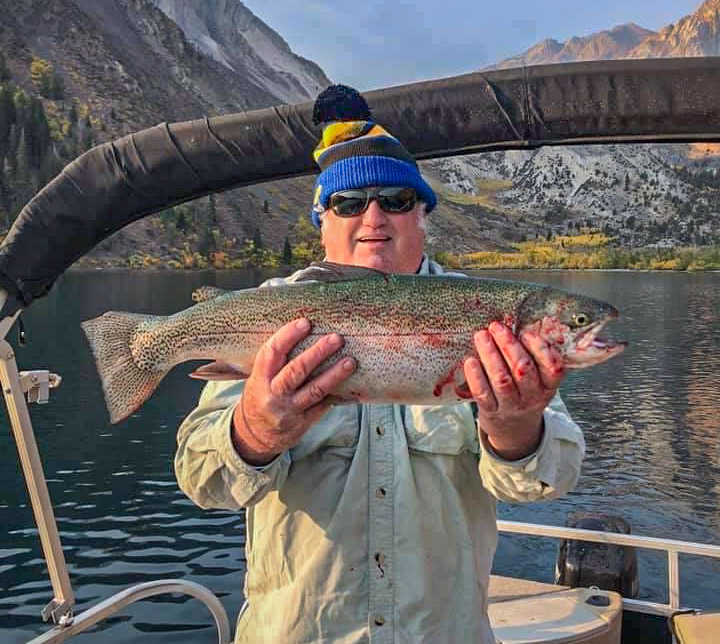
[298, 370]
[519, 361]
[479, 386]
[549, 362]
[496, 370]
[273, 355]
[315, 391]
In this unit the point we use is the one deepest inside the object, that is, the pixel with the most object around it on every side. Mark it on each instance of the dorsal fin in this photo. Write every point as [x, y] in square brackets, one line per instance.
[333, 272]
[205, 293]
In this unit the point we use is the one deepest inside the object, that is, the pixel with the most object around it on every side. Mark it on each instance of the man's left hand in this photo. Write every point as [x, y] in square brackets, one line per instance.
[512, 382]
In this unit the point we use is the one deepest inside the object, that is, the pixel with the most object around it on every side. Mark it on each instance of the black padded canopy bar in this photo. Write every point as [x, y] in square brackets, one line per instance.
[659, 100]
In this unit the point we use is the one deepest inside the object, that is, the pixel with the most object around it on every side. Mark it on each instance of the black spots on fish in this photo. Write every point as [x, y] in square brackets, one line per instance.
[146, 350]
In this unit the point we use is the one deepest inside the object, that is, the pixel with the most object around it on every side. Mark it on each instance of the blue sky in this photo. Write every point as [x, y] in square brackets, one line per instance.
[378, 43]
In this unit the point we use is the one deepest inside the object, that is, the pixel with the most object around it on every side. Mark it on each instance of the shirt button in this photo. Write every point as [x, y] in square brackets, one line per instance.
[380, 431]
[380, 493]
[347, 440]
[379, 620]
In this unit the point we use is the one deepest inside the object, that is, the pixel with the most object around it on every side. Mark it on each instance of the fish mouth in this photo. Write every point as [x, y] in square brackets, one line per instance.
[591, 349]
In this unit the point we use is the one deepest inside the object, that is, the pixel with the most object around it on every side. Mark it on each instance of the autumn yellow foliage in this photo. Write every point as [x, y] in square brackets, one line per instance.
[586, 251]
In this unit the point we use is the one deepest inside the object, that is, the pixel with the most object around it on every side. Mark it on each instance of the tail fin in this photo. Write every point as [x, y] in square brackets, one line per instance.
[125, 385]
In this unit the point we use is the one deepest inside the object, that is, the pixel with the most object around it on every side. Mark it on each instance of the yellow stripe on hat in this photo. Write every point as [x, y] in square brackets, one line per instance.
[343, 131]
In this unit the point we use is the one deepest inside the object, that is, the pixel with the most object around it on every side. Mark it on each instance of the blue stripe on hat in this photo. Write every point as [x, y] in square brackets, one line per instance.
[363, 172]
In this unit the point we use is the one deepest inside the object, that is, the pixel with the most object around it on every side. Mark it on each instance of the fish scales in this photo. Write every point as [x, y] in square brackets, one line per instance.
[409, 334]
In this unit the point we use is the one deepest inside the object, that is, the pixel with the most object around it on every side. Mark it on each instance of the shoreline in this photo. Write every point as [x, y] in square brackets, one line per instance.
[280, 269]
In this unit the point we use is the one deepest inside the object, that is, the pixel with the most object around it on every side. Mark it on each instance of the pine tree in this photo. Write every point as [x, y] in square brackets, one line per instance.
[5, 74]
[57, 87]
[7, 118]
[21, 185]
[73, 114]
[287, 256]
[38, 133]
[212, 211]
[257, 239]
[208, 228]
[4, 197]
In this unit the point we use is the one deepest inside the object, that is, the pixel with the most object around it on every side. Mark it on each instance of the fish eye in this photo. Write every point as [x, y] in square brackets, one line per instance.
[581, 319]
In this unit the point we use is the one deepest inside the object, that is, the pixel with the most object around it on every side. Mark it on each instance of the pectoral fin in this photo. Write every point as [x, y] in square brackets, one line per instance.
[218, 370]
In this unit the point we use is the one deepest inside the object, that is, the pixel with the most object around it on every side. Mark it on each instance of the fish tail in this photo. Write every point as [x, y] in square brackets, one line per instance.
[125, 385]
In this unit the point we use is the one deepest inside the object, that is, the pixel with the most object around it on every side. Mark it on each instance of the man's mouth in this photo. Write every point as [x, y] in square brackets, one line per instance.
[374, 238]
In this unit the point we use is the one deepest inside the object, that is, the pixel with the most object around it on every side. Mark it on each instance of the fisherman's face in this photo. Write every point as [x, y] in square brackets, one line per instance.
[393, 243]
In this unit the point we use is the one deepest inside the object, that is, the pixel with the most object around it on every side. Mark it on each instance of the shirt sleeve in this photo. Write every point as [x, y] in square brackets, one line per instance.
[208, 468]
[552, 471]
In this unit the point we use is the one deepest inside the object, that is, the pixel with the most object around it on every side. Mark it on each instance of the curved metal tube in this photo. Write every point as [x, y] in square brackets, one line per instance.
[113, 604]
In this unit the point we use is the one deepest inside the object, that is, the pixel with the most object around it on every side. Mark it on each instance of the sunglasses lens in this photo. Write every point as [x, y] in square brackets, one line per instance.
[347, 203]
[397, 199]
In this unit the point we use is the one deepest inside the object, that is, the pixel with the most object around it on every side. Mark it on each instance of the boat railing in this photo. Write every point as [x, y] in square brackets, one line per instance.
[19, 388]
[673, 548]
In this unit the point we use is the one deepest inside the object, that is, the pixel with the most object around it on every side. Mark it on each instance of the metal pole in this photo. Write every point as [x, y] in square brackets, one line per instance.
[60, 608]
[113, 604]
[674, 578]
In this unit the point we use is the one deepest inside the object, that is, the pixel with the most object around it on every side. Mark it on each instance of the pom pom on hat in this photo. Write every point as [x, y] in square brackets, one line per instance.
[355, 152]
[340, 103]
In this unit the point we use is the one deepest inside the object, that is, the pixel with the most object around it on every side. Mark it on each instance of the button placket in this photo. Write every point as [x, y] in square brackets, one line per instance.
[381, 528]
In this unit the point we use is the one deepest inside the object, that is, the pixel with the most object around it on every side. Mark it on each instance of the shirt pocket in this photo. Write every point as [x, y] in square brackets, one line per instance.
[339, 428]
[441, 429]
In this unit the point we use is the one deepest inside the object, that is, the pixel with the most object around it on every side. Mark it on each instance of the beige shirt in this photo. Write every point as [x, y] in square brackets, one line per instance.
[379, 526]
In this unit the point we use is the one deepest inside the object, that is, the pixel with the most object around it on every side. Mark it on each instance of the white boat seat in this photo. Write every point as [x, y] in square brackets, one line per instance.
[572, 616]
[696, 628]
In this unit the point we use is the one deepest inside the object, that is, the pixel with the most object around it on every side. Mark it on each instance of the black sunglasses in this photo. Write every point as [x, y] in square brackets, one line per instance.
[393, 199]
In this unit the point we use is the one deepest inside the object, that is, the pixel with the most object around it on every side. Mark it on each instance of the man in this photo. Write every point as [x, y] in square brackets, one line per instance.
[374, 523]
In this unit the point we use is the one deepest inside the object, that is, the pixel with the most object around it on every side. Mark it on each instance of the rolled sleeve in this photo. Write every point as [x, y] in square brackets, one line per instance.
[552, 471]
[208, 468]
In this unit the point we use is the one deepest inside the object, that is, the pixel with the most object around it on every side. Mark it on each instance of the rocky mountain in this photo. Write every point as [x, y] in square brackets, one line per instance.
[666, 195]
[617, 42]
[695, 35]
[229, 33]
[153, 61]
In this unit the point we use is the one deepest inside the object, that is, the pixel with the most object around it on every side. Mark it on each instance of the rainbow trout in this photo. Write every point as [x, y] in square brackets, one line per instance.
[410, 334]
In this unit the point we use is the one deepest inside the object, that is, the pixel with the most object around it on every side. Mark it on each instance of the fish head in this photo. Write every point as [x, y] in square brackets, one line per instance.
[571, 323]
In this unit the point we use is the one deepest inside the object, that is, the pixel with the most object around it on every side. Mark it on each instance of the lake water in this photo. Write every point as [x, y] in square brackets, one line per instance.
[651, 420]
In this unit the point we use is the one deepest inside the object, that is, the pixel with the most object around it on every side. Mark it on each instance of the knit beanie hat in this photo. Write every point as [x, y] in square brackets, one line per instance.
[356, 152]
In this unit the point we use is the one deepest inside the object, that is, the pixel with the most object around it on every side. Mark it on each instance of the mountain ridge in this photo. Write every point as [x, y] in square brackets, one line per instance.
[616, 42]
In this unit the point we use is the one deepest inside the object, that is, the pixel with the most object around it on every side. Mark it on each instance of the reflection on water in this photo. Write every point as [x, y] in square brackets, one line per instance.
[650, 419]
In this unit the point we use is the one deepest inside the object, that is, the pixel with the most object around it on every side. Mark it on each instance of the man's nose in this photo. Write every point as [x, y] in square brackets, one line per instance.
[374, 215]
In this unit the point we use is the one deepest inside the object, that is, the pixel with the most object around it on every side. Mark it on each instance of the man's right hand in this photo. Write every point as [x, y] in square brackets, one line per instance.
[279, 403]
